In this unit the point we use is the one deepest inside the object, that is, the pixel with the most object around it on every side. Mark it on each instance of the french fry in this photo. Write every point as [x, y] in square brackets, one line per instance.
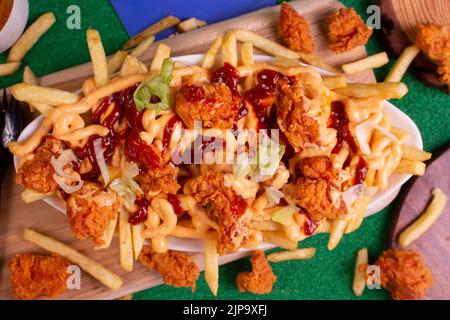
[142, 47]
[400, 134]
[229, 49]
[390, 90]
[178, 65]
[359, 279]
[210, 57]
[161, 25]
[285, 62]
[29, 77]
[264, 44]
[132, 65]
[336, 232]
[416, 168]
[212, 263]
[247, 58]
[401, 65]
[95, 269]
[108, 235]
[318, 62]
[9, 68]
[370, 62]
[267, 225]
[355, 222]
[162, 52]
[190, 24]
[138, 239]
[30, 37]
[29, 195]
[127, 297]
[116, 61]
[98, 57]
[126, 241]
[279, 239]
[37, 94]
[299, 254]
[426, 220]
[335, 82]
[414, 154]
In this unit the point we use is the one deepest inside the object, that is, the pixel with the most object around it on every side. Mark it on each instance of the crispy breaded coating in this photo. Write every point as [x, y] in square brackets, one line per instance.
[261, 279]
[177, 268]
[347, 30]
[224, 206]
[34, 276]
[213, 104]
[317, 197]
[434, 41]
[292, 118]
[317, 168]
[404, 274]
[294, 30]
[37, 173]
[163, 179]
[90, 211]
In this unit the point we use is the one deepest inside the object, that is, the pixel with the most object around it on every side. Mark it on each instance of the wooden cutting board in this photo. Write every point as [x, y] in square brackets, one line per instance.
[434, 244]
[15, 215]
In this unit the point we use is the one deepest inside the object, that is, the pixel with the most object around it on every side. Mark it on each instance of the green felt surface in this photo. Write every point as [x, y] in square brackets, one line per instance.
[329, 274]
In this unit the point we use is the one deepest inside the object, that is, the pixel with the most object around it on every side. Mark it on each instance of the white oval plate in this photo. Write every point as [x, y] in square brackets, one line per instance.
[379, 201]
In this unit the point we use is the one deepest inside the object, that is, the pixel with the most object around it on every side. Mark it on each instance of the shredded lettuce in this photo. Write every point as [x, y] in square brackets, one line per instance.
[125, 186]
[269, 157]
[285, 215]
[155, 86]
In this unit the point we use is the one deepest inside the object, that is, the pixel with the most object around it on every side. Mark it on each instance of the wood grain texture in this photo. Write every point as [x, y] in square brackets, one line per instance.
[413, 12]
[15, 215]
[434, 244]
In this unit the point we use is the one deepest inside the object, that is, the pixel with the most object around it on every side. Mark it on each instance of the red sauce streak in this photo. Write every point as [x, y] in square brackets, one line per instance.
[262, 96]
[176, 204]
[168, 131]
[138, 151]
[228, 75]
[142, 212]
[310, 226]
[361, 171]
[339, 121]
[195, 94]
[238, 207]
[124, 110]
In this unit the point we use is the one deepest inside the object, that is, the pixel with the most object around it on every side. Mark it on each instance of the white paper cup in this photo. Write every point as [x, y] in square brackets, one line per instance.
[15, 24]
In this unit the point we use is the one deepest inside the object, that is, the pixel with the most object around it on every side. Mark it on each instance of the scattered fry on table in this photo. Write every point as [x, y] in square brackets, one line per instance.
[161, 25]
[9, 68]
[359, 279]
[426, 219]
[190, 24]
[401, 65]
[370, 62]
[299, 254]
[92, 267]
[30, 37]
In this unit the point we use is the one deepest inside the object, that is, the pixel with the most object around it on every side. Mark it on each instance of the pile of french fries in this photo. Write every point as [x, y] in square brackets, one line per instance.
[224, 49]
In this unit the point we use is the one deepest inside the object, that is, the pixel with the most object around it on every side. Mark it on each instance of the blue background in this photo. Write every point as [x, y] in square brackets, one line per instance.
[143, 13]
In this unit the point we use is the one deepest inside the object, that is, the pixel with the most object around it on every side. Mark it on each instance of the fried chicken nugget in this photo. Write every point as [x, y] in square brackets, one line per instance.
[434, 41]
[37, 173]
[163, 179]
[404, 274]
[90, 211]
[261, 279]
[34, 276]
[177, 268]
[347, 30]
[294, 30]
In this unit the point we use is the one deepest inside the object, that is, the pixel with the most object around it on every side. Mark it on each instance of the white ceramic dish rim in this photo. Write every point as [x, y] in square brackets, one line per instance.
[380, 200]
[15, 24]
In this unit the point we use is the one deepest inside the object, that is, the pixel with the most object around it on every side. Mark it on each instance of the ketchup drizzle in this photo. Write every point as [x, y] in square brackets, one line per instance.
[176, 204]
[339, 121]
[142, 212]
